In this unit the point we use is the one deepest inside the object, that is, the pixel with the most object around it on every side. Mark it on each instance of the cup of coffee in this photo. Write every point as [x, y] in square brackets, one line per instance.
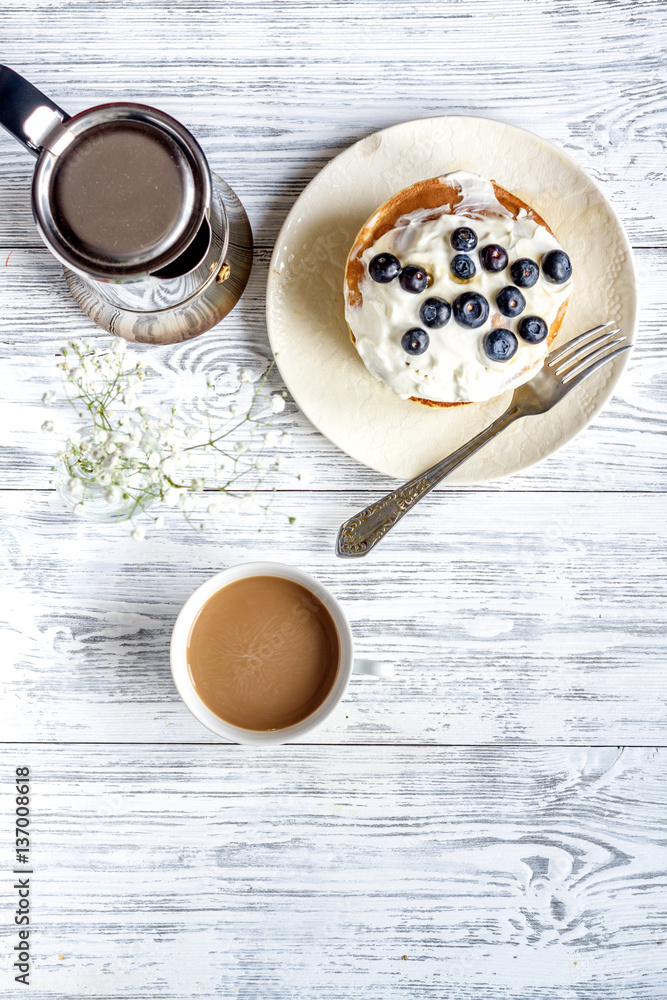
[262, 653]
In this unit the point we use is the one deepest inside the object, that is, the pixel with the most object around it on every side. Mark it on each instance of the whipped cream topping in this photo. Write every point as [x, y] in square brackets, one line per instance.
[455, 367]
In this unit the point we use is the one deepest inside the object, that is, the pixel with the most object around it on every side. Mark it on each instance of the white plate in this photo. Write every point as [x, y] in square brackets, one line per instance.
[305, 314]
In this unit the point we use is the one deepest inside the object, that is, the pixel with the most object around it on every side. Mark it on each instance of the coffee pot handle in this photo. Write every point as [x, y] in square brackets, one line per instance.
[26, 112]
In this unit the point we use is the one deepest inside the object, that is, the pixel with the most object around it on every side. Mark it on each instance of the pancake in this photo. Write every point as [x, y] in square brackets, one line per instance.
[415, 226]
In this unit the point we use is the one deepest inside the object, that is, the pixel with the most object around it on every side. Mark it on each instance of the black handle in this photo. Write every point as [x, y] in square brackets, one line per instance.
[18, 100]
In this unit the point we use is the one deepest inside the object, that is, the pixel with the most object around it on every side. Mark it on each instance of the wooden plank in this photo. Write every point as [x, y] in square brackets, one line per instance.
[302, 872]
[510, 617]
[274, 90]
[625, 449]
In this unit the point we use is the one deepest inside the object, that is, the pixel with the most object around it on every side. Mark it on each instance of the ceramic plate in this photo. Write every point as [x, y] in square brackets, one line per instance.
[305, 312]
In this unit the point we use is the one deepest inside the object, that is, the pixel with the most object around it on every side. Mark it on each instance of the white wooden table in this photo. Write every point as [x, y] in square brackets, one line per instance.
[491, 822]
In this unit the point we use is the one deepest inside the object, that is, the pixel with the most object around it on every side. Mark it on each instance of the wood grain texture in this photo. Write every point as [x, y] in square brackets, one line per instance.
[297, 872]
[624, 449]
[530, 612]
[509, 617]
[273, 88]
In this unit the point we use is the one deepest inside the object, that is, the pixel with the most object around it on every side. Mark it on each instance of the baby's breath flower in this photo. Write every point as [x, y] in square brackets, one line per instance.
[249, 504]
[138, 453]
[80, 509]
[47, 426]
[159, 521]
[139, 533]
[285, 439]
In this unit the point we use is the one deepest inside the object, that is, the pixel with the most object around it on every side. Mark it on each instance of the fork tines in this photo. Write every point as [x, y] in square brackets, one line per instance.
[581, 353]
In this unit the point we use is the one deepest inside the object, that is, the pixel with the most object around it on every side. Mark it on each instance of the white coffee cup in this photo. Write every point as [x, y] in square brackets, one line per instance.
[346, 667]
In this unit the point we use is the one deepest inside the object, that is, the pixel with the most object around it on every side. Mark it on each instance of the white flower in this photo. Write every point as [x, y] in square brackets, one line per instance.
[75, 345]
[75, 487]
[120, 347]
[167, 466]
[245, 375]
[210, 383]
[187, 502]
[171, 495]
[49, 398]
[285, 439]
[213, 508]
[74, 439]
[241, 447]
[262, 463]
[100, 435]
[128, 398]
[139, 532]
[114, 494]
[271, 439]
[75, 373]
[47, 425]
[277, 403]
[280, 461]
[159, 521]
[153, 460]
[79, 510]
[198, 484]
[249, 504]
[191, 431]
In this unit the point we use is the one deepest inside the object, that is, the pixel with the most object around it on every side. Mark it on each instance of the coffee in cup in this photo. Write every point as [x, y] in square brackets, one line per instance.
[263, 653]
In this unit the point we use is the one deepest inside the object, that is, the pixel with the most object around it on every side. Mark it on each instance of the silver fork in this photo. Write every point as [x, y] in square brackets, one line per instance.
[564, 369]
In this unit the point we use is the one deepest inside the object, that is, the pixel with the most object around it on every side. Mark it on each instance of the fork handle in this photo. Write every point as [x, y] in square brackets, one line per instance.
[361, 533]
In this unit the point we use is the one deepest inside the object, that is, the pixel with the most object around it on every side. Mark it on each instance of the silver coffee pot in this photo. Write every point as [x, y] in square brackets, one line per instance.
[155, 247]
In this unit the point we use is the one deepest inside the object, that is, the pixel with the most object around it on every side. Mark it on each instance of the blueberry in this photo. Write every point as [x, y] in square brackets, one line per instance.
[500, 345]
[434, 312]
[413, 278]
[510, 301]
[556, 266]
[533, 329]
[463, 239]
[525, 272]
[493, 257]
[471, 309]
[415, 341]
[384, 267]
[462, 267]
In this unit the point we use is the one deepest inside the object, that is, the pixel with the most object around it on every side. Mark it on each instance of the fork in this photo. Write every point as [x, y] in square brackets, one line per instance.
[563, 370]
